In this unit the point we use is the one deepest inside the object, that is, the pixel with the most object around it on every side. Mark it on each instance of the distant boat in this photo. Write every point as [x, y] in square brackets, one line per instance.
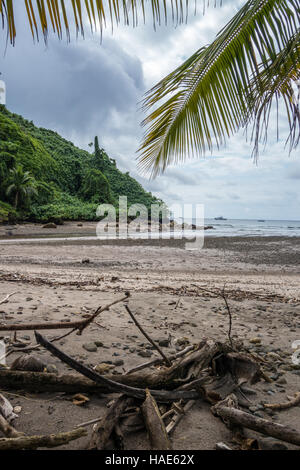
[220, 218]
[261, 220]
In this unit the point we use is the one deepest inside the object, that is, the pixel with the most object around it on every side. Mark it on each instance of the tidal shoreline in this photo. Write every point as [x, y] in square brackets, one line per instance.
[55, 281]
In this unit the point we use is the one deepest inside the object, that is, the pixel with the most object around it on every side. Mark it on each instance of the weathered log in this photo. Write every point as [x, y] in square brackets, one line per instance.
[239, 418]
[105, 427]
[40, 382]
[161, 395]
[34, 442]
[157, 433]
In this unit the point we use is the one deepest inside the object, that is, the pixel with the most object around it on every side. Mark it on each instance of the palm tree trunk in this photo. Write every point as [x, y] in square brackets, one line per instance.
[16, 200]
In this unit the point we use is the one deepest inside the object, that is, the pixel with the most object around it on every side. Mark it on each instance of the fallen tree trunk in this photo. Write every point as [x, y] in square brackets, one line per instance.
[70, 383]
[104, 429]
[241, 419]
[157, 433]
[34, 442]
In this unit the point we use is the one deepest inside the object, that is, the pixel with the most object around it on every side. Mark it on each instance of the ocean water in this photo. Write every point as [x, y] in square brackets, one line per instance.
[247, 228]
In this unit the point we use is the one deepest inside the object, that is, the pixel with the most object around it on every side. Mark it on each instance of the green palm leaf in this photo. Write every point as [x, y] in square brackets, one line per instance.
[277, 81]
[207, 99]
[44, 14]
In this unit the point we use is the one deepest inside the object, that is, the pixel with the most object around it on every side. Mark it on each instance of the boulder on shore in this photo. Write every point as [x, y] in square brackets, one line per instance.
[50, 225]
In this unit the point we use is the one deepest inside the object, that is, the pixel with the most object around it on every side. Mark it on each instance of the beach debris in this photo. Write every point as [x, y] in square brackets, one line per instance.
[154, 396]
[21, 442]
[178, 414]
[79, 399]
[284, 406]
[230, 413]
[8, 430]
[222, 446]
[7, 415]
[7, 410]
[155, 426]
[103, 430]
[103, 368]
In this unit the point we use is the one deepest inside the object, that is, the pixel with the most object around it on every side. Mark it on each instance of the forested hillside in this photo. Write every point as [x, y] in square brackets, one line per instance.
[45, 177]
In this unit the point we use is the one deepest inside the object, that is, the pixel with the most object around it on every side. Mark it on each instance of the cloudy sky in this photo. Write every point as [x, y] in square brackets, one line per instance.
[87, 88]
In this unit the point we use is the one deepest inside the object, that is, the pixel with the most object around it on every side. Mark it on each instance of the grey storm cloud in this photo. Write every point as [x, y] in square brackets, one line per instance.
[72, 87]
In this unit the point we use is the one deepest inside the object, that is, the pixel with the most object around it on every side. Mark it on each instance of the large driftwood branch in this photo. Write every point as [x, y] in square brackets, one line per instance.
[239, 418]
[47, 382]
[165, 358]
[157, 433]
[34, 442]
[104, 429]
[79, 325]
[114, 387]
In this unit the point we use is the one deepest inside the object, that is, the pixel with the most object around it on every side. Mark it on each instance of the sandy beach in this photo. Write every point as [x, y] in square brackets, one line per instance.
[169, 294]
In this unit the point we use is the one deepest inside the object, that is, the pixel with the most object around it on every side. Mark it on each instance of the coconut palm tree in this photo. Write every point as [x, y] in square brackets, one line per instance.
[228, 84]
[22, 185]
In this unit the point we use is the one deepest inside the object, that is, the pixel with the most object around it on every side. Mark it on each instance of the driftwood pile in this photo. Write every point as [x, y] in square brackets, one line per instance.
[154, 396]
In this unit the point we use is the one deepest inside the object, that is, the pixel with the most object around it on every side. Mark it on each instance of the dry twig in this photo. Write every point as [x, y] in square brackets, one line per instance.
[284, 406]
[167, 361]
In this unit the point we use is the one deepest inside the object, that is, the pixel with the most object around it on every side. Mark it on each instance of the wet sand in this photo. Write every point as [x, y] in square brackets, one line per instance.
[169, 295]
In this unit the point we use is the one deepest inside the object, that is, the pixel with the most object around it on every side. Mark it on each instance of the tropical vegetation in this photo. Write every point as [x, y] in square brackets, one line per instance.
[44, 177]
[21, 185]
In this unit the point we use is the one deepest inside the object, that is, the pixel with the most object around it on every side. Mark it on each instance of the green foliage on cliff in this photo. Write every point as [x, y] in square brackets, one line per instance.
[70, 182]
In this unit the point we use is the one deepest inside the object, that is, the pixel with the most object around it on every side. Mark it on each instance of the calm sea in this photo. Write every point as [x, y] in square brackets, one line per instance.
[246, 228]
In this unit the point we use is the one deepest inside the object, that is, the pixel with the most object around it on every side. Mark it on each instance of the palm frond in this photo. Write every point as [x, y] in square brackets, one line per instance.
[280, 80]
[45, 14]
[207, 99]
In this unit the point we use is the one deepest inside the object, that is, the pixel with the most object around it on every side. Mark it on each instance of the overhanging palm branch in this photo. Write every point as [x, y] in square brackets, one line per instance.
[44, 14]
[280, 80]
[207, 99]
